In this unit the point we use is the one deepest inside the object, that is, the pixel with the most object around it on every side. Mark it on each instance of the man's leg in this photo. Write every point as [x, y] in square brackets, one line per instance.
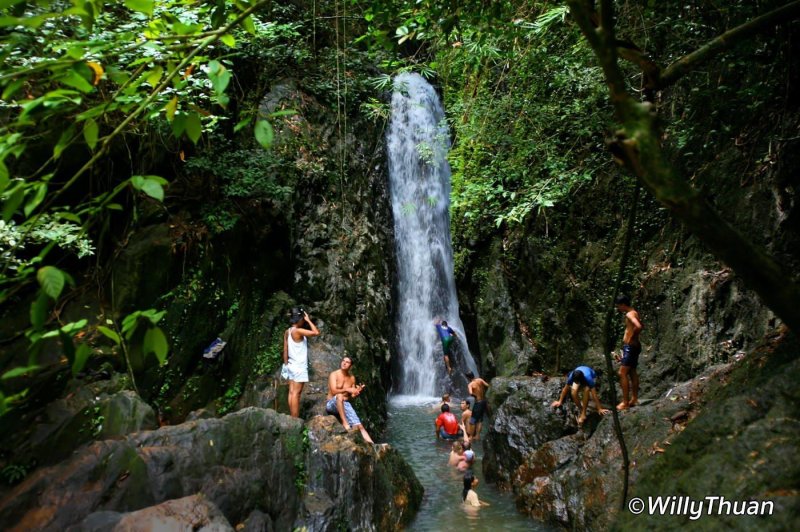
[623, 381]
[340, 409]
[364, 434]
[447, 363]
[634, 387]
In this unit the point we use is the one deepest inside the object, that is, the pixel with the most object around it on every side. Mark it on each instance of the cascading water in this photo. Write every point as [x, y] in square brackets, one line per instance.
[419, 175]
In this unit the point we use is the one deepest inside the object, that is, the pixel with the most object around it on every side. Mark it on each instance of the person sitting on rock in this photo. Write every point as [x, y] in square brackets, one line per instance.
[585, 378]
[447, 425]
[341, 388]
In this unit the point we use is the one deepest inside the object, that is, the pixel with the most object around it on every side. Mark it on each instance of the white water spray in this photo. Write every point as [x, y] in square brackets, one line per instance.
[419, 175]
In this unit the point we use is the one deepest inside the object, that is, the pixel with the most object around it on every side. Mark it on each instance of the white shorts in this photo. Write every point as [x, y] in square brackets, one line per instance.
[297, 373]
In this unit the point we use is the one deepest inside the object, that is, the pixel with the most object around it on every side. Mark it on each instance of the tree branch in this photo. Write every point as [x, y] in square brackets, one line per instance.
[638, 145]
[680, 67]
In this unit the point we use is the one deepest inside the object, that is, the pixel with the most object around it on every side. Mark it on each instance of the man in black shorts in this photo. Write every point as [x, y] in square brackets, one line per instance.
[477, 388]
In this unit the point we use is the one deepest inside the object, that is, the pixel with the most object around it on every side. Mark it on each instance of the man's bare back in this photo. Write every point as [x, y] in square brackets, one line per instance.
[477, 387]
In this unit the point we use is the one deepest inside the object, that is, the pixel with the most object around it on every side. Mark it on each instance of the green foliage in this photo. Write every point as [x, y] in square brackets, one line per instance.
[271, 355]
[13, 473]
[230, 398]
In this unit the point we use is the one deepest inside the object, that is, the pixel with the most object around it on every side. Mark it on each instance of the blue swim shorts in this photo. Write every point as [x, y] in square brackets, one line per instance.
[630, 355]
[349, 411]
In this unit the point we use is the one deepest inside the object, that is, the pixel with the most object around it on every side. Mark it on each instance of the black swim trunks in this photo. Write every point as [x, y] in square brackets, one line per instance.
[478, 412]
[630, 355]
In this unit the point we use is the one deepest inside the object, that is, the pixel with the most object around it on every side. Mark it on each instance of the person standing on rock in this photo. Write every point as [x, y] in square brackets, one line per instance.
[477, 388]
[295, 356]
[631, 348]
[581, 378]
[341, 388]
[446, 335]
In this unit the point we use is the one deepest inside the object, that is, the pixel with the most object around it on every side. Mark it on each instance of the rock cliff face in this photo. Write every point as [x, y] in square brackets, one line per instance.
[252, 465]
[729, 432]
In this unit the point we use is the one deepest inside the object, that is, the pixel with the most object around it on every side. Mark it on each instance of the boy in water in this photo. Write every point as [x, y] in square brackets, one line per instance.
[631, 348]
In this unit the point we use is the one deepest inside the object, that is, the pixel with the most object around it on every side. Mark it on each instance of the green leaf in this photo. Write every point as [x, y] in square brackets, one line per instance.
[264, 133]
[178, 125]
[91, 131]
[12, 88]
[155, 342]
[229, 40]
[248, 25]
[154, 76]
[76, 81]
[63, 141]
[17, 372]
[4, 179]
[82, 354]
[194, 128]
[13, 201]
[39, 310]
[283, 112]
[51, 279]
[242, 123]
[142, 6]
[219, 76]
[108, 333]
[171, 107]
[150, 185]
[40, 192]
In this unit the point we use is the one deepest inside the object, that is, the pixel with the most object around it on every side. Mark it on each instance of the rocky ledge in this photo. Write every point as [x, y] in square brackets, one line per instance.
[253, 469]
[732, 432]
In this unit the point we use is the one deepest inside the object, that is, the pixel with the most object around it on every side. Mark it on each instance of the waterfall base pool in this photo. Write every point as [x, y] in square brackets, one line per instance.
[410, 429]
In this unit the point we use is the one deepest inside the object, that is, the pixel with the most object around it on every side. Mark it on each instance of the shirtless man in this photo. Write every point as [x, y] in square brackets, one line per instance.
[631, 347]
[341, 388]
[477, 388]
[466, 412]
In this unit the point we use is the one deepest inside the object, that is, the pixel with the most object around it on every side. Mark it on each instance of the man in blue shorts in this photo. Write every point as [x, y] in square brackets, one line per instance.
[631, 348]
[341, 388]
[581, 378]
[446, 335]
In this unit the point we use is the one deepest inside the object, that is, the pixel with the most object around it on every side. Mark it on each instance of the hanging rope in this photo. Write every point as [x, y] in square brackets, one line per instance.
[608, 344]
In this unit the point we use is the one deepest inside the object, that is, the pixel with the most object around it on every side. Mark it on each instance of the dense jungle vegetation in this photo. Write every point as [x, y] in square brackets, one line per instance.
[115, 114]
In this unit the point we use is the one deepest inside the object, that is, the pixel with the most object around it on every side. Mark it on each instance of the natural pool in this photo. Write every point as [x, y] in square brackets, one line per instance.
[410, 429]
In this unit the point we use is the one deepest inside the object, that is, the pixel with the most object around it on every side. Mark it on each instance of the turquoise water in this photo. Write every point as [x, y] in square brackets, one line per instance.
[410, 430]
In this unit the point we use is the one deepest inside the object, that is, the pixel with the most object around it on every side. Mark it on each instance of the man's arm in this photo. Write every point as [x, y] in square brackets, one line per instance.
[633, 319]
[600, 410]
[561, 397]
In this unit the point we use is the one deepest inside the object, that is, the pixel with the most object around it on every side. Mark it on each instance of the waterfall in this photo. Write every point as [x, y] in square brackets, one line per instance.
[417, 144]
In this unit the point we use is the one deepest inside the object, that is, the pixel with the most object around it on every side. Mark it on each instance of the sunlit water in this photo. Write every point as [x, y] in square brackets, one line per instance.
[410, 430]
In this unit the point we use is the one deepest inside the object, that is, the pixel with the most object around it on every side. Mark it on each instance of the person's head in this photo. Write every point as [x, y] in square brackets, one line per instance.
[578, 379]
[469, 479]
[457, 447]
[622, 301]
[346, 363]
[444, 323]
[469, 456]
[445, 407]
[470, 375]
[446, 398]
[296, 316]
[464, 405]
[467, 446]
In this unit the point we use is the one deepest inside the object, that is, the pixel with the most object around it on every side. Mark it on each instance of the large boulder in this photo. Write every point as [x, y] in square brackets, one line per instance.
[244, 461]
[194, 513]
[348, 481]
